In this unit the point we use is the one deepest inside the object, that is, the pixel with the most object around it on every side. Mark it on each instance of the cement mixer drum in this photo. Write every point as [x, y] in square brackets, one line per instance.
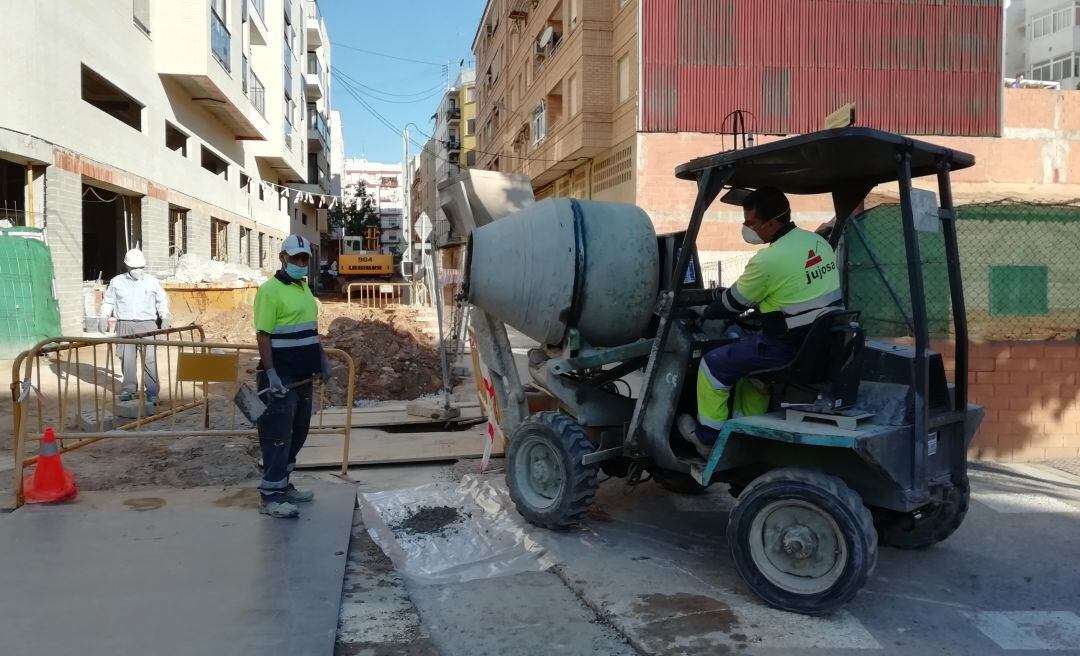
[565, 263]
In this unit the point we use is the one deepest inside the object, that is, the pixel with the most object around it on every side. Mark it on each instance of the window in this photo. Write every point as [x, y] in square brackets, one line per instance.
[262, 192]
[177, 232]
[572, 95]
[245, 181]
[539, 124]
[470, 127]
[1056, 70]
[470, 158]
[108, 97]
[262, 250]
[470, 94]
[624, 78]
[245, 246]
[219, 239]
[214, 164]
[303, 218]
[140, 13]
[175, 139]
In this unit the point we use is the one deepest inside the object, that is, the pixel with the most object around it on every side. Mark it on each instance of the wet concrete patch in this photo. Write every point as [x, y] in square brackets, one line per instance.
[243, 498]
[143, 504]
[431, 520]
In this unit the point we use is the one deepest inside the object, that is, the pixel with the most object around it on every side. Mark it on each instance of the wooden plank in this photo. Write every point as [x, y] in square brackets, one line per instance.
[391, 415]
[374, 447]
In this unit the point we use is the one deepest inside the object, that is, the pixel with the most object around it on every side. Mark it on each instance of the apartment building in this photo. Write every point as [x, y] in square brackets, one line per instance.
[1042, 41]
[172, 126]
[455, 127]
[602, 99]
[383, 183]
[310, 219]
[337, 153]
[422, 180]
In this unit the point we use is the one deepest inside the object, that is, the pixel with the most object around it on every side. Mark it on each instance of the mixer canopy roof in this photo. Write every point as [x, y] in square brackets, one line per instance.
[823, 162]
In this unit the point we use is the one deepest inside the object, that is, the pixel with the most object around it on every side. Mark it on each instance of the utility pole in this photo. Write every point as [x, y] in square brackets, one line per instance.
[406, 217]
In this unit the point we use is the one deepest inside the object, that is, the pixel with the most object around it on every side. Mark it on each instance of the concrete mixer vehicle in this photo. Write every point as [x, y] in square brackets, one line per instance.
[865, 442]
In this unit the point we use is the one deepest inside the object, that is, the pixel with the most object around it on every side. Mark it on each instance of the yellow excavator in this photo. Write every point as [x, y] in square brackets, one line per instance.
[360, 258]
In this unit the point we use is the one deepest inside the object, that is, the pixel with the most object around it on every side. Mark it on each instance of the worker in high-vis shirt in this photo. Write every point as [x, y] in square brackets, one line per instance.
[290, 356]
[140, 305]
[790, 283]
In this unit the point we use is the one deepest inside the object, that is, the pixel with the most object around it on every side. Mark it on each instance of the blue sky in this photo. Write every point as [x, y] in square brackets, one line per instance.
[432, 31]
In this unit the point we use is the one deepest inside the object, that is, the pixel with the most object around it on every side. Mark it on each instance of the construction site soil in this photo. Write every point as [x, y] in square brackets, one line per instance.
[395, 358]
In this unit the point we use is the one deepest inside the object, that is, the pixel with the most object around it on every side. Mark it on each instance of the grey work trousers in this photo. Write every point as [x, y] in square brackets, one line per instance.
[128, 354]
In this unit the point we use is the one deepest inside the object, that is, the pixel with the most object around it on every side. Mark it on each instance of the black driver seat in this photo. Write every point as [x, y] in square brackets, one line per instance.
[827, 363]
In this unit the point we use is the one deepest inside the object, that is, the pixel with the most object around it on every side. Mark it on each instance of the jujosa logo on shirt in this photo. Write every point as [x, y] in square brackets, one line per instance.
[812, 260]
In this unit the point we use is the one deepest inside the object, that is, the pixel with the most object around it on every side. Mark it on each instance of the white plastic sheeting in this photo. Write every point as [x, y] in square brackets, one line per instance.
[489, 539]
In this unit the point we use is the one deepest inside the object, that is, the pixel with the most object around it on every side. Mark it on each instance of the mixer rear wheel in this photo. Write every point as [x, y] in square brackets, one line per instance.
[547, 481]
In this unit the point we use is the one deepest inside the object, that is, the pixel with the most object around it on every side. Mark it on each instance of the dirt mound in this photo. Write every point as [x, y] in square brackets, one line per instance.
[395, 359]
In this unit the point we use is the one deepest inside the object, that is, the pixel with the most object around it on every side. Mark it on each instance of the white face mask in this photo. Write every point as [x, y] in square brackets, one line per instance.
[136, 274]
[751, 237]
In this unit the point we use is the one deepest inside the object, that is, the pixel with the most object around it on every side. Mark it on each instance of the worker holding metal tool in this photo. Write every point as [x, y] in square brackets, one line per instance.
[790, 283]
[287, 331]
[140, 306]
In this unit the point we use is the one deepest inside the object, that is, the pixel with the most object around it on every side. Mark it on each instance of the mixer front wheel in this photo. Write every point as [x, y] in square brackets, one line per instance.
[548, 483]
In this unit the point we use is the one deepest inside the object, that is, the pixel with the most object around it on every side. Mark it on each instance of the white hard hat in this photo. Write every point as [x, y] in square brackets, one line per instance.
[134, 259]
[295, 244]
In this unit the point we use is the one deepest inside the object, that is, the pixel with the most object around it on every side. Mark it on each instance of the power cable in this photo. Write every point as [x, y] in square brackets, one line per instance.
[390, 126]
[383, 54]
[441, 86]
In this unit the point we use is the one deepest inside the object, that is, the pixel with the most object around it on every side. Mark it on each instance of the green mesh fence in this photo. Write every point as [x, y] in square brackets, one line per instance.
[1020, 265]
[28, 309]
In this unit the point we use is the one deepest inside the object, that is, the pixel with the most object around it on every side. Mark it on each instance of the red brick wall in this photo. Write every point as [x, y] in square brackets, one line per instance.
[1032, 399]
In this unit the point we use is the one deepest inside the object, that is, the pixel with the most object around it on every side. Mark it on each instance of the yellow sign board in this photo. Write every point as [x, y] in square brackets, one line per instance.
[841, 118]
[208, 367]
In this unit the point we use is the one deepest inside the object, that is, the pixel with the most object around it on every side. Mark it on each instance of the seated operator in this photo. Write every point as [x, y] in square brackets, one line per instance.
[791, 283]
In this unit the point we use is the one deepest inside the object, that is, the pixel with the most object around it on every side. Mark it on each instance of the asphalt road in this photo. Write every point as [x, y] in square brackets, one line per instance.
[649, 573]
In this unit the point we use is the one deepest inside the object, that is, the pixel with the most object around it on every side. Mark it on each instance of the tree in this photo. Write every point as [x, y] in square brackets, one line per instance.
[355, 213]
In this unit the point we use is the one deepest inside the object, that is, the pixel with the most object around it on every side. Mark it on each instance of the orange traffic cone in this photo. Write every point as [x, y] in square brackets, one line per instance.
[50, 482]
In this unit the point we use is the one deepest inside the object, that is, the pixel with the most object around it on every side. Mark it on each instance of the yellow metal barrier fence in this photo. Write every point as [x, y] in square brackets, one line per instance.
[43, 378]
[380, 295]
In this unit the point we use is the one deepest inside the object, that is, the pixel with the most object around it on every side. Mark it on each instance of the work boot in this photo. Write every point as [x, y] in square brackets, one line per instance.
[279, 509]
[293, 495]
[688, 428]
[125, 396]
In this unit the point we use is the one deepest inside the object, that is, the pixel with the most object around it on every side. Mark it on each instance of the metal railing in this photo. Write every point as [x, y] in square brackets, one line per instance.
[313, 10]
[70, 384]
[256, 92]
[453, 114]
[318, 123]
[315, 67]
[382, 295]
[220, 41]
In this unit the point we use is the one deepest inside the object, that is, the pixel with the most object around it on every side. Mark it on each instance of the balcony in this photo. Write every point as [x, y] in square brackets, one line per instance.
[453, 114]
[257, 21]
[453, 145]
[200, 62]
[220, 41]
[318, 130]
[254, 88]
[314, 77]
[313, 22]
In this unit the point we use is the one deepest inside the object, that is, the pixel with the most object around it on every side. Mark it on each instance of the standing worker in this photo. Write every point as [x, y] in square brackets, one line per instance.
[791, 283]
[140, 304]
[287, 331]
